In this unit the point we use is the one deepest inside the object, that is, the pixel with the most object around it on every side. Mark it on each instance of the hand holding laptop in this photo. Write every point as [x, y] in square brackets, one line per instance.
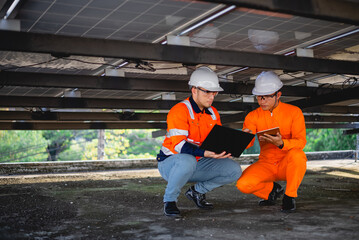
[247, 130]
[211, 154]
[270, 136]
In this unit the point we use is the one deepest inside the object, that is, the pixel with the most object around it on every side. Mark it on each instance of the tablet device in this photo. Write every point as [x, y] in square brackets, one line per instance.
[271, 131]
[227, 139]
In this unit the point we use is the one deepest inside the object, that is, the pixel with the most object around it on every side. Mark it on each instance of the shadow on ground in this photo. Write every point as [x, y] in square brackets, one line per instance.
[327, 205]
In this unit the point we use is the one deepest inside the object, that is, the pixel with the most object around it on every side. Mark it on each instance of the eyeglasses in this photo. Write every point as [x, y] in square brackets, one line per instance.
[208, 92]
[266, 96]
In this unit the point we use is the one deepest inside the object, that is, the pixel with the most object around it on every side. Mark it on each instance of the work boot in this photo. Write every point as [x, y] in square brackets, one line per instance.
[288, 205]
[276, 192]
[198, 198]
[171, 210]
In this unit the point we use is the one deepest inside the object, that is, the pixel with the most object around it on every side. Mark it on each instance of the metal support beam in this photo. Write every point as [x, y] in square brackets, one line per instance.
[338, 11]
[26, 79]
[331, 119]
[308, 126]
[65, 125]
[80, 116]
[332, 109]
[239, 117]
[48, 102]
[107, 125]
[38, 117]
[334, 97]
[68, 45]
[332, 125]
[351, 131]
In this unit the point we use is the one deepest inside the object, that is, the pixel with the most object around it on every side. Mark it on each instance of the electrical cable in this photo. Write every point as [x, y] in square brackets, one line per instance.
[16, 151]
[50, 149]
[30, 65]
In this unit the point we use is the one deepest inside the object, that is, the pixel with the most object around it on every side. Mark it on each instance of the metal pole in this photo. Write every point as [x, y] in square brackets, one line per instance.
[357, 149]
[101, 144]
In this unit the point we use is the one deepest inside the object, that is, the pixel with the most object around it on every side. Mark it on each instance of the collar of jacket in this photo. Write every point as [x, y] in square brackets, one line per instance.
[196, 108]
[277, 108]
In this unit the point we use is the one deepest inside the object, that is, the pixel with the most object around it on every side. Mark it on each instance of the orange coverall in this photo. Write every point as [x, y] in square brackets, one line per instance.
[287, 164]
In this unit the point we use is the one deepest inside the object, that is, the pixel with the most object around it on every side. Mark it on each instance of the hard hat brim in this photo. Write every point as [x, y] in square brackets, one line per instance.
[214, 89]
[258, 93]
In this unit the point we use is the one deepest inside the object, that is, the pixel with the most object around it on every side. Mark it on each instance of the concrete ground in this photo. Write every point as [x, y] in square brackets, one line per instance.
[128, 205]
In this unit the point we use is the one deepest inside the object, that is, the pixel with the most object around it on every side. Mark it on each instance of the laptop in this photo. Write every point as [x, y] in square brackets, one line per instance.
[227, 139]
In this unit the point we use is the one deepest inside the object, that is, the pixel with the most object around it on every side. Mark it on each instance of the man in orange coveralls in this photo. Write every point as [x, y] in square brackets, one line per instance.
[181, 160]
[281, 156]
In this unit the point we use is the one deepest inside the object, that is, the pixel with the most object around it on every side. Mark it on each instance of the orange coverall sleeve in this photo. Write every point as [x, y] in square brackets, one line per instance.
[298, 130]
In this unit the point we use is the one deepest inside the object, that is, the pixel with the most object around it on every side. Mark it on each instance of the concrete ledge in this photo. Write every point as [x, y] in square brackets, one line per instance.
[103, 165]
[324, 155]
[329, 155]
[74, 166]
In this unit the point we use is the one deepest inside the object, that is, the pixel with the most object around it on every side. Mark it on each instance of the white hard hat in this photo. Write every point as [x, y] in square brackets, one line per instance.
[204, 77]
[267, 83]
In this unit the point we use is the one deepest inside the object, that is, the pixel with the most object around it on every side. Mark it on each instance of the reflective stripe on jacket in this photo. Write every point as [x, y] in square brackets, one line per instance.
[187, 127]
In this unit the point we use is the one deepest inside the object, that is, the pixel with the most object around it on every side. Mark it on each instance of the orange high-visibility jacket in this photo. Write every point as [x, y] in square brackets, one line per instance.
[290, 121]
[187, 127]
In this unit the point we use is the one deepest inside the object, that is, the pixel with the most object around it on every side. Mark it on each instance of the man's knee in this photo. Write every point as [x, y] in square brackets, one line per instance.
[244, 185]
[297, 156]
[187, 163]
[235, 170]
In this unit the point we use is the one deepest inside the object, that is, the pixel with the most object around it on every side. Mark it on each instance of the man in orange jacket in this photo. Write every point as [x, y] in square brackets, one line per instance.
[281, 156]
[181, 160]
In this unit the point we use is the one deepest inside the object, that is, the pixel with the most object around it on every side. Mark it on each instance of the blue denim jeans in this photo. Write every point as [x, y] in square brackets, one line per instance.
[208, 173]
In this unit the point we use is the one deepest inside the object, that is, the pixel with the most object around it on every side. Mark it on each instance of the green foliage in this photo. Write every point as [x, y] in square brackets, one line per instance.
[60, 143]
[26, 146]
[119, 144]
[142, 144]
[320, 140]
[74, 152]
[22, 146]
[329, 140]
[131, 143]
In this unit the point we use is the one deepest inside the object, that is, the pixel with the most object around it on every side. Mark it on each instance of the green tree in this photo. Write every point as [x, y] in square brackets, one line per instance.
[59, 141]
[329, 140]
[22, 146]
[121, 144]
[117, 143]
[75, 151]
[142, 143]
[131, 143]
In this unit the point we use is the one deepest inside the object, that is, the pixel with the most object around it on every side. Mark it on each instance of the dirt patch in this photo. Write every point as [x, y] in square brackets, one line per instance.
[132, 209]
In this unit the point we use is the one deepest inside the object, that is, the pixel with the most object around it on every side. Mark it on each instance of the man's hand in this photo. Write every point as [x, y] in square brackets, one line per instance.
[276, 140]
[210, 154]
[247, 130]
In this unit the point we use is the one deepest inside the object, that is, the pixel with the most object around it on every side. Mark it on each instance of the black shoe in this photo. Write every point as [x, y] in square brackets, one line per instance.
[276, 192]
[288, 205]
[171, 210]
[198, 198]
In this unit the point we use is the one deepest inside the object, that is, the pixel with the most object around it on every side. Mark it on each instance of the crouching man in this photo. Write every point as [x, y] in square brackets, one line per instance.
[281, 157]
[181, 160]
